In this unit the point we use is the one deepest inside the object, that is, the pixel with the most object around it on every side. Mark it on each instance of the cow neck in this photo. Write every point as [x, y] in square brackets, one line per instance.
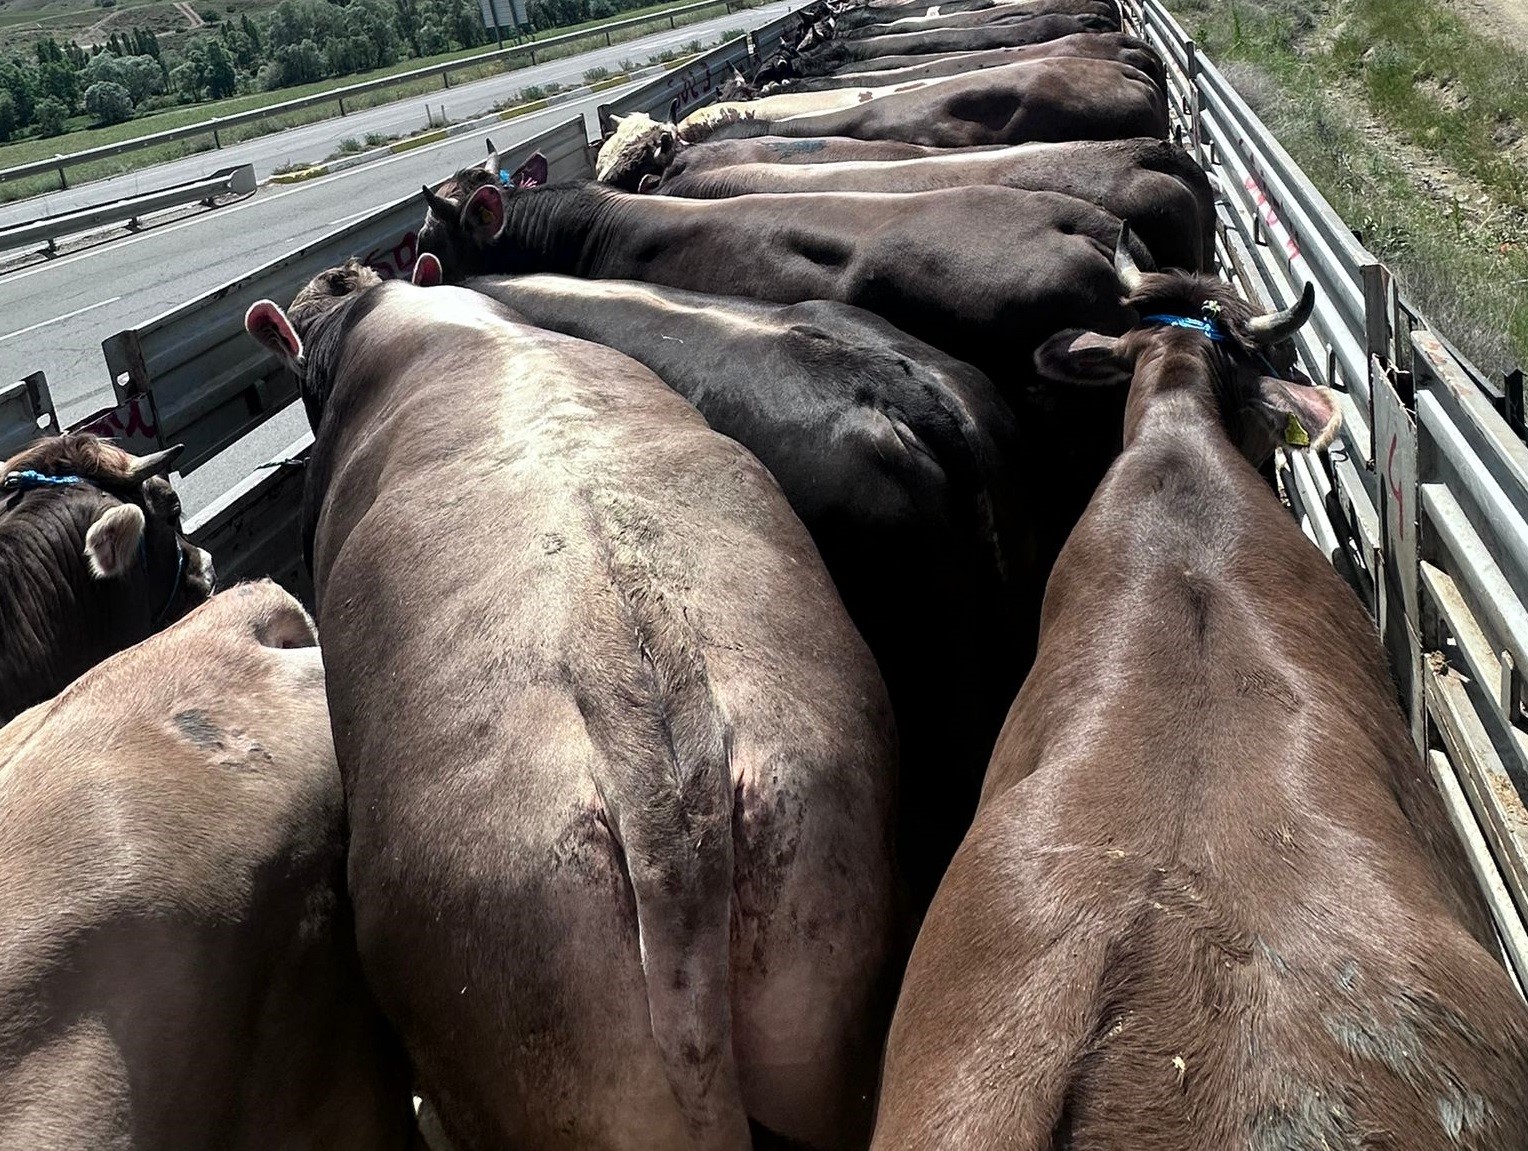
[1184, 393]
[46, 621]
[554, 229]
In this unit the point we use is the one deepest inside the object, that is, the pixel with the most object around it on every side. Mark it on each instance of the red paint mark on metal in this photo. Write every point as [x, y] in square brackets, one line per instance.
[1270, 215]
[396, 262]
[1395, 491]
[131, 424]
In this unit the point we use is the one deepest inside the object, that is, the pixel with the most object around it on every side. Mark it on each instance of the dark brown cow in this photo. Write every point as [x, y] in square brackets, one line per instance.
[1011, 13]
[982, 273]
[891, 70]
[1155, 187]
[824, 58]
[91, 561]
[178, 969]
[650, 153]
[1211, 899]
[1047, 99]
[619, 769]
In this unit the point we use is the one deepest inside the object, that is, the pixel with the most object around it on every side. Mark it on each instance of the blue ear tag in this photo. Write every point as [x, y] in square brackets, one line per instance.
[504, 177]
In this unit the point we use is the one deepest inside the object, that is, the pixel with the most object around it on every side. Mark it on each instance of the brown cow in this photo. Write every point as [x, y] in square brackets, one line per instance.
[1211, 899]
[1154, 186]
[178, 969]
[619, 768]
[92, 560]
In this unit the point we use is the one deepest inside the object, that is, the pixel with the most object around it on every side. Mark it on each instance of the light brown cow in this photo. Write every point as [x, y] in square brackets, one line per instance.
[177, 967]
[618, 766]
[1210, 900]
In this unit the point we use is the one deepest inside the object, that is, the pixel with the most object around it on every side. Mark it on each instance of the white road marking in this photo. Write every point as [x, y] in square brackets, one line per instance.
[57, 319]
[347, 219]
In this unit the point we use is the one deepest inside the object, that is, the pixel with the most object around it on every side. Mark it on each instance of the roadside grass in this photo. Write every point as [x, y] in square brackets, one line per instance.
[1412, 126]
[27, 151]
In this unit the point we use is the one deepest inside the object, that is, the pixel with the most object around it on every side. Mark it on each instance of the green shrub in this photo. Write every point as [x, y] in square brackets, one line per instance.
[50, 116]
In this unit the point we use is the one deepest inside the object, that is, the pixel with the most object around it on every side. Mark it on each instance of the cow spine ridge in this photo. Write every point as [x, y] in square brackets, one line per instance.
[677, 841]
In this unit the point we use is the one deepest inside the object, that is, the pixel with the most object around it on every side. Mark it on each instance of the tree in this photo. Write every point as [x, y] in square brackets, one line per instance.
[8, 120]
[57, 81]
[222, 80]
[50, 116]
[109, 103]
[19, 80]
[140, 75]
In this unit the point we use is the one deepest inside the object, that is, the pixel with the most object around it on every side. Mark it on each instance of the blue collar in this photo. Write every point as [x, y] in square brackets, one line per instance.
[1206, 328]
[27, 480]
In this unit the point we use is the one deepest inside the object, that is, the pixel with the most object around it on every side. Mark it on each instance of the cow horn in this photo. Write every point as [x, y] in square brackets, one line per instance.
[444, 209]
[1277, 327]
[1130, 276]
[153, 464]
[615, 120]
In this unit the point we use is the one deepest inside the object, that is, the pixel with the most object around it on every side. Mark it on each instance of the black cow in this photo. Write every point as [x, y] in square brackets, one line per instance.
[858, 15]
[1156, 187]
[1040, 100]
[1001, 14]
[888, 71]
[896, 457]
[821, 59]
[92, 560]
[982, 273]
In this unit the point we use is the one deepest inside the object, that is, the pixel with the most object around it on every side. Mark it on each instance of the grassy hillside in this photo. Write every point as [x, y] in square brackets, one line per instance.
[1412, 119]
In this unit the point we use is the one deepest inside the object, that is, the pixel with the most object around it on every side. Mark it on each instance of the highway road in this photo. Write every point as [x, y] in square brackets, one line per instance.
[316, 142]
[54, 314]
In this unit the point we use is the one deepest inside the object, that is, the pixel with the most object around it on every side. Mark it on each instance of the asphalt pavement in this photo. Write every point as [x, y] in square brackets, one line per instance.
[316, 142]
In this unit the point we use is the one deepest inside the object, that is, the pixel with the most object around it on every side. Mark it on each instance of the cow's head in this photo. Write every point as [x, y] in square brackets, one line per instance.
[638, 147]
[461, 215]
[737, 86]
[1195, 334]
[92, 560]
[783, 65]
[307, 336]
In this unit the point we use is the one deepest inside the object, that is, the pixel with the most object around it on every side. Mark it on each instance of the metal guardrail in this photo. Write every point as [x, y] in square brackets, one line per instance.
[1423, 504]
[209, 384]
[26, 412]
[237, 181]
[675, 93]
[217, 124]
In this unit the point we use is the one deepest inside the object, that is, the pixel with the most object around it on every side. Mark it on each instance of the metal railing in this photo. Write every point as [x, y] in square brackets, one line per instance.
[210, 384]
[1422, 504]
[217, 124]
[238, 181]
[26, 411]
[675, 93]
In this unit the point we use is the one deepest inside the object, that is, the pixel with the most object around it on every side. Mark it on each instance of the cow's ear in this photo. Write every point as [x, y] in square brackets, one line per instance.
[269, 324]
[427, 270]
[531, 174]
[111, 543]
[648, 184]
[1298, 415]
[482, 215]
[1079, 357]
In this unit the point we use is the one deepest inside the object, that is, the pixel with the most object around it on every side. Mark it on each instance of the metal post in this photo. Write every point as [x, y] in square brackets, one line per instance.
[63, 181]
[445, 79]
[671, 23]
[216, 142]
[607, 39]
[342, 105]
[1192, 55]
